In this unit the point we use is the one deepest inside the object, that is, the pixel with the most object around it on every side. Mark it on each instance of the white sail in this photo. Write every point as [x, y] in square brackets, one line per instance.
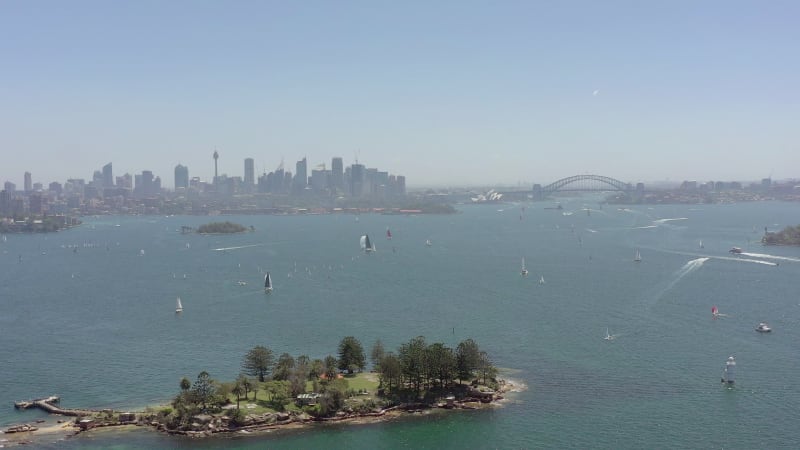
[637, 257]
[524, 271]
[267, 283]
[178, 306]
[363, 242]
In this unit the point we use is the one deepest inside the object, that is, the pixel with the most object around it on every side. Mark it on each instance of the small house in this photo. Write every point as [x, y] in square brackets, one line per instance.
[308, 399]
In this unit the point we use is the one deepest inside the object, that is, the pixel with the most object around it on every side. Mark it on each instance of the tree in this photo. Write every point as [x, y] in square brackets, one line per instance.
[203, 390]
[485, 367]
[442, 363]
[412, 361]
[467, 357]
[351, 355]
[333, 396]
[237, 390]
[258, 362]
[283, 367]
[390, 371]
[185, 384]
[317, 368]
[330, 367]
[376, 355]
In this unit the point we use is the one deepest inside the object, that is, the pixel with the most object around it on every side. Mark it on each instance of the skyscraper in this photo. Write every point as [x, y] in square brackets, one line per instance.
[249, 173]
[108, 177]
[28, 182]
[337, 174]
[181, 177]
[301, 175]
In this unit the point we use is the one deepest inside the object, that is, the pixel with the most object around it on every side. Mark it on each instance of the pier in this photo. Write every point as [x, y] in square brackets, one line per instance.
[48, 404]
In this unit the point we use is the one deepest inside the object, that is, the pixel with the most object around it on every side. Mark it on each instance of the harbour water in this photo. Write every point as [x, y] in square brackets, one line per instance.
[88, 314]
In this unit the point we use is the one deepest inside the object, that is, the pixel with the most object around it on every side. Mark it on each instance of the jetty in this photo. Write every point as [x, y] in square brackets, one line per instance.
[48, 404]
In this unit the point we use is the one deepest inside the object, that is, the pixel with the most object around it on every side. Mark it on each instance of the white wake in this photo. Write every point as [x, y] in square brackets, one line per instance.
[222, 249]
[687, 268]
[765, 256]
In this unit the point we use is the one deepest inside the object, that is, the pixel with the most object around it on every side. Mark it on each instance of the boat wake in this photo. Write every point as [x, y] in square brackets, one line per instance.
[754, 261]
[644, 227]
[222, 249]
[765, 256]
[687, 268]
[669, 220]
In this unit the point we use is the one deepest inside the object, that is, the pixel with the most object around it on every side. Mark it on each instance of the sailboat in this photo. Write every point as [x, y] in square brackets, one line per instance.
[366, 244]
[388, 234]
[541, 280]
[428, 243]
[178, 306]
[524, 271]
[701, 244]
[267, 283]
[637, 257]
[609, 337]
[715, 312]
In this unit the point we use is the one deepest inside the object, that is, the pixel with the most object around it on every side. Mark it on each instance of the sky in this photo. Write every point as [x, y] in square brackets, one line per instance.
[447, 93]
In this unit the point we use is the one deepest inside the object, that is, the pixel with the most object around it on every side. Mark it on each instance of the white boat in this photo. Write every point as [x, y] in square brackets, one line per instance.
[524, 271]
[541, 280]
[763, 328]
[609, 337]
[366, 244]
[637, 257]
[242, 283]
[428, 243]
[267, 283]
[178, 306]
[701, 244]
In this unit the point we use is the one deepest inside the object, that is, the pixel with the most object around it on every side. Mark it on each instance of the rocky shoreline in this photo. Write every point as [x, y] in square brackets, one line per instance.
[205, 425]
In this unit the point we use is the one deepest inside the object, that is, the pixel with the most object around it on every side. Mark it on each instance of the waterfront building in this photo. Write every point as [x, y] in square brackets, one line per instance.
[28, 182]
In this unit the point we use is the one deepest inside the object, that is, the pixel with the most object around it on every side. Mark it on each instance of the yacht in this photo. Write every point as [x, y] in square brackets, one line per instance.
[736, 250]
[763, 328]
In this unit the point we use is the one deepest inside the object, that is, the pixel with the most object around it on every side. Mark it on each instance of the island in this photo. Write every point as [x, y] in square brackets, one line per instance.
[222, 228]
[788, 236]
[299, 391]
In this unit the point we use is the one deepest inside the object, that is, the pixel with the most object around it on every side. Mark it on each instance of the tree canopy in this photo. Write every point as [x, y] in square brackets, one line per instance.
[351, 355]
[258, 362]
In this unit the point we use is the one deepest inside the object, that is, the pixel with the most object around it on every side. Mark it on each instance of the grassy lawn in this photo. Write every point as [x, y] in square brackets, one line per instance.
[358, 381]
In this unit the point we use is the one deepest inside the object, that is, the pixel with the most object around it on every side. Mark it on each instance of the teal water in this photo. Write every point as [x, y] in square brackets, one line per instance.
[98, 327]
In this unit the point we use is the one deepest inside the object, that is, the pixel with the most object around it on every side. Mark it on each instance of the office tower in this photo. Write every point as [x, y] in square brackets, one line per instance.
[28, 182]
[301, 175]
[249, 173]
[10, 187]
[357, 180]
[337, 174]
[401, 185]
[181, 177]
[108, 177]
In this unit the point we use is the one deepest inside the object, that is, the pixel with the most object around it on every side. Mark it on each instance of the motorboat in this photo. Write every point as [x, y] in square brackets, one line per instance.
[763, 328]
[736, 250]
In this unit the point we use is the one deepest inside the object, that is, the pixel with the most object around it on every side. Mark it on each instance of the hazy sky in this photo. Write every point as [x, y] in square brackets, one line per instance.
[444, 92]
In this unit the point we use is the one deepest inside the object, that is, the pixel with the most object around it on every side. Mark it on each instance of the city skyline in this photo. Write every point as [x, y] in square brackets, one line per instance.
[448, 94]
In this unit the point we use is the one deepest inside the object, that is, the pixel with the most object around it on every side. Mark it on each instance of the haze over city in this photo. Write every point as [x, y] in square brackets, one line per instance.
[445, 93]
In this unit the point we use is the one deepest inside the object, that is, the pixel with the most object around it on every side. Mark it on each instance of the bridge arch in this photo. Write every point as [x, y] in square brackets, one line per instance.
[586, 183]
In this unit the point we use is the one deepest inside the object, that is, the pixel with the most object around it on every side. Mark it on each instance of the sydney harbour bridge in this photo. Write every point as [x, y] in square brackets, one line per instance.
[576, 183]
